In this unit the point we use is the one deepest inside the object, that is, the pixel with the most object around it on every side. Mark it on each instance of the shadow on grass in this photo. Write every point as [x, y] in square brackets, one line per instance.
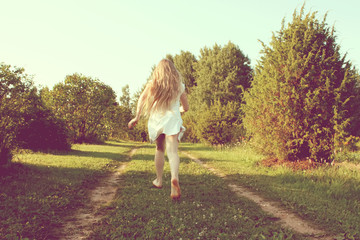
[107, 155]
[145, 156]
[34, 199]
[206, 210]
[127, 145]
[331, 203]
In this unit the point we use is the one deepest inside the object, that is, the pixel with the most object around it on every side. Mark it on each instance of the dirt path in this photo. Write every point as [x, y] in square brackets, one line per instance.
[285, 217]
[78, 226]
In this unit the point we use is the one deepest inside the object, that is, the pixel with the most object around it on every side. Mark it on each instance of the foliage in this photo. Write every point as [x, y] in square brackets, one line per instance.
[85, 104]
[125, 97]
[120, 116]
[220, 124]
[184, 63]
[140, 131]
[41, 130]
[190, 124]
[304, 94]
[15, 88]
[222, 73]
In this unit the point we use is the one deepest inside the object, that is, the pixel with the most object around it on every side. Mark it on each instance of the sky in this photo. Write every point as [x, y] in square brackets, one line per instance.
[119, 41]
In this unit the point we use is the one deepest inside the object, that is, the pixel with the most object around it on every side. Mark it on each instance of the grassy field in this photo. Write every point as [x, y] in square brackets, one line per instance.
[328, 196]
[207, 209]
[39, 190]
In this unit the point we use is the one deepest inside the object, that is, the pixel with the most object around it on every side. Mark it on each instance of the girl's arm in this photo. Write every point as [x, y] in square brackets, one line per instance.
[139, 108]
[184, 103]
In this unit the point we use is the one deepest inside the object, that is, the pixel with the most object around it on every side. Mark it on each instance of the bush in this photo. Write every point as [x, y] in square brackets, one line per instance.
[42, 131]
[189, 119]
[220, 124]
[304, 94]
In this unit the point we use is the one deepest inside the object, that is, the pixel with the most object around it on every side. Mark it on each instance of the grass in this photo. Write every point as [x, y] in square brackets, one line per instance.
[207, 209]
[327, 196]
[39, 189]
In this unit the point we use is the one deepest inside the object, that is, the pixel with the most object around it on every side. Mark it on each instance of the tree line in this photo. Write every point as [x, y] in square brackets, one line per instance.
[302, 100]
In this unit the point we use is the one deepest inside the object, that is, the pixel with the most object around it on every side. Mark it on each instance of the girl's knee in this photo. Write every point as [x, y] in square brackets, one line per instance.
[160, 148]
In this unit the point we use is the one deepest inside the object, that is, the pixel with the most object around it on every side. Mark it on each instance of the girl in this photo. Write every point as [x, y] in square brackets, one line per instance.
[161, 100]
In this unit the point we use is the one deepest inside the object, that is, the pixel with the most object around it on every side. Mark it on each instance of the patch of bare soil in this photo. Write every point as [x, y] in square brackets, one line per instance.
[285, 217]
[79, 225]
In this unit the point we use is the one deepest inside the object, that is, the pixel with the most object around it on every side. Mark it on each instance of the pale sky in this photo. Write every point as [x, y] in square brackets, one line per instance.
[118, 41]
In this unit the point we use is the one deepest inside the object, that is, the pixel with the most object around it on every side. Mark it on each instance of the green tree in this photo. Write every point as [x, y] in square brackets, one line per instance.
[85, 104]
[184, 62]
[121, 115]
[41, 130]
[125, 97]
[304, 94]
[222, 73]
[15, 88]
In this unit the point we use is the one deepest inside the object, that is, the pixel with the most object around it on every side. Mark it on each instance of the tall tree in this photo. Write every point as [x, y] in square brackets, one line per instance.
[85, 105]
[304, 94]
[15, 89]
[222, 73]
[121, 115]
[125, 97]
[184, 62]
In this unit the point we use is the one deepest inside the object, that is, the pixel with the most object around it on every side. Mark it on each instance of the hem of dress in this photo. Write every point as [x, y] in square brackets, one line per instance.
[180, 134]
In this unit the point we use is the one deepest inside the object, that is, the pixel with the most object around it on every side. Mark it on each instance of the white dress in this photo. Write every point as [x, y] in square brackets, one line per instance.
[168, 122]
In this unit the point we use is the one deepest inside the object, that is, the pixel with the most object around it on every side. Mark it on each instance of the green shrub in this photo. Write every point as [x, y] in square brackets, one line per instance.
[189, 119]
[219, 124]
[304, 94]
[42, 131]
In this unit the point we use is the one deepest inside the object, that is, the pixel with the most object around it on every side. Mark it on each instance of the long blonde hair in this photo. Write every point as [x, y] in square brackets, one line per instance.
[163, 88]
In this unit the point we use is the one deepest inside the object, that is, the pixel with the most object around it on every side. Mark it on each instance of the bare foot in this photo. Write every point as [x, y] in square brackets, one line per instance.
[157, 184]
[175, 189]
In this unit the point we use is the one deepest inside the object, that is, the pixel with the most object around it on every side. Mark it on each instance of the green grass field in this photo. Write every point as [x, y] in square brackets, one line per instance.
[207, 209]
[327, 196]
[39, 190]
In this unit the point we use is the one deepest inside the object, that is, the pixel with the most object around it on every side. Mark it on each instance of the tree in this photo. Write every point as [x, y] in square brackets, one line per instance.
[184, 62]
[304, 94]
[15, 87]
[121, 115]
[222, 73]
[125, 97]
[85, 105]
[41, 130]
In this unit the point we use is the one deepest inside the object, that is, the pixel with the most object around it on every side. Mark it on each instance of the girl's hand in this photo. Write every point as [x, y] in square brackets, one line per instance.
[132, 123]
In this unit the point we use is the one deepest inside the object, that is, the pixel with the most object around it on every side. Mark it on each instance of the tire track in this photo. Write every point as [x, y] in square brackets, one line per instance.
[284, 217]
[79, 225]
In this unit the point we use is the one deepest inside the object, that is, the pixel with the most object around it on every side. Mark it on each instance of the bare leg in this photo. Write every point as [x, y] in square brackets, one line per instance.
[159, 160]
[172, 145]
